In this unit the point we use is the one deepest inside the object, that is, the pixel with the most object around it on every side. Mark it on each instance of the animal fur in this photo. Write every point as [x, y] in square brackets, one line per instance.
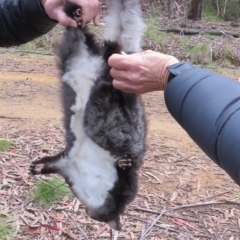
[105, 128]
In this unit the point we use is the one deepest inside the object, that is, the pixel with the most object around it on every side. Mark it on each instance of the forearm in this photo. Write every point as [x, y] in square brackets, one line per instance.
[207, 106]
[22, 21]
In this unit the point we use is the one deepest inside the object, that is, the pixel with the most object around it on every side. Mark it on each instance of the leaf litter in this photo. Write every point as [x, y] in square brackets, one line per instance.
[196, 211]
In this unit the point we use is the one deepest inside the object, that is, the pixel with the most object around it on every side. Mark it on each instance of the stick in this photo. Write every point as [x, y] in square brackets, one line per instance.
[79, 228]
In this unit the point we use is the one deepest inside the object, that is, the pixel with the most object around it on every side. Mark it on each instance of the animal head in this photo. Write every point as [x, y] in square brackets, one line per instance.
[112, 219]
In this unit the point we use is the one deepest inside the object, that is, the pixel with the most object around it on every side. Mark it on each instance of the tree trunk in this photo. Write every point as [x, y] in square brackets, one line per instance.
[195, 10]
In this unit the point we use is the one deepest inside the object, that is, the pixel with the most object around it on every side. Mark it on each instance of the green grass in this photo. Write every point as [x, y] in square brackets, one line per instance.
[227, 52]
[153, 14]
[184, 41]
[5, 145]
[201, 54]
[6, 229]
[210, 15]
[152, 33]
[209, 36]
[48, 192]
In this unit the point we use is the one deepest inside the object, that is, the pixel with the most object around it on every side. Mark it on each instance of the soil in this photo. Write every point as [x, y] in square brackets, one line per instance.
[175, 172]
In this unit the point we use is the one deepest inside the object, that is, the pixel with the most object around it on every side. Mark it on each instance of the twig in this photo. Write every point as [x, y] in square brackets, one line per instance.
[165, 214]
[80, 229]
[222, 193]
[202, 204]
[157, 225]
[142, 233]
[12, 154]
[152, 225]
[150, 174]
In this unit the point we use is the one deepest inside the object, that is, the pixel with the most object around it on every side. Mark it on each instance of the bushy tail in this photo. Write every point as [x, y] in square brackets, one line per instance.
[124, 24]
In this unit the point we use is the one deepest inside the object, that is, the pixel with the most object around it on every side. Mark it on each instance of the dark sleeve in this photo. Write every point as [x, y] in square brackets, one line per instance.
[207, 106]
[21, 21]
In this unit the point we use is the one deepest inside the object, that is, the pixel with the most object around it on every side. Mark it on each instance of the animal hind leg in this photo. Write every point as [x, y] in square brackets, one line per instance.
[48, 165]
[113, 23]
[132, 26]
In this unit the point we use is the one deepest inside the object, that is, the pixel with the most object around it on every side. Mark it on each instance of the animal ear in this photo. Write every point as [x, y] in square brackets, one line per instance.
[115, 224]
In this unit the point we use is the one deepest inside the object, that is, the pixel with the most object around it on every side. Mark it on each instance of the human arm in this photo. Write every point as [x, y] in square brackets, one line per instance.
[205, 104]
[24, 20]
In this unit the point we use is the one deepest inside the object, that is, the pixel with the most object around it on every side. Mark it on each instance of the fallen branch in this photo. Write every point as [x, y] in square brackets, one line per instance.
[26, 51]
[194, 32]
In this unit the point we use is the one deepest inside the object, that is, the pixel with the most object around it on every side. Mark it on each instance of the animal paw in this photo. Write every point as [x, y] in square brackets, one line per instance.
[33, 169]
[77, 16]
[124, 162]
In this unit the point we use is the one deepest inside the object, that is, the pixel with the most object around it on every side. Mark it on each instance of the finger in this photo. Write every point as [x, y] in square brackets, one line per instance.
[123, 86]
[119, 61]
[96, 20]
[64, 20]
[86, 12]
[127, 87]
[119, 74]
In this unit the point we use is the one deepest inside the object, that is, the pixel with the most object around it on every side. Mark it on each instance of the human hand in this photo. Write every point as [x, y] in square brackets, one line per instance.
[140, 72]
[54, 9]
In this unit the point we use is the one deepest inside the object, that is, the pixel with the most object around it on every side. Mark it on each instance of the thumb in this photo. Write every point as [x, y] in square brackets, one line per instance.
[96, 20]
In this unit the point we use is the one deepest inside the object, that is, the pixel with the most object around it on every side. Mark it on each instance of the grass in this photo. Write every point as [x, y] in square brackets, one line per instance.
[227, 52]
[5, 145]
[152, 33]
[201, 54]
[153, 14]
[209, 36]
[210, 15]
[48, 192]
[6, 229]
[184, 41]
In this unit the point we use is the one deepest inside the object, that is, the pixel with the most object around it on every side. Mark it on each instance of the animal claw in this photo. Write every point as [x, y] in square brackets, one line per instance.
[33, 169]
[77, 16]
[124, 162]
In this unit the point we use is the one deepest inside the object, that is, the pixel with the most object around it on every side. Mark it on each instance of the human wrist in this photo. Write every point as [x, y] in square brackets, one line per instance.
[166, 73]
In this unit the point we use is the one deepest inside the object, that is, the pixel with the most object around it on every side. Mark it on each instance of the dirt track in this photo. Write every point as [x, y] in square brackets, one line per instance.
[174, 170]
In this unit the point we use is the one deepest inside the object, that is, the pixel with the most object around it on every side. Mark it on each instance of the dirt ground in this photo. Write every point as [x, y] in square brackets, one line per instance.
[192, 197]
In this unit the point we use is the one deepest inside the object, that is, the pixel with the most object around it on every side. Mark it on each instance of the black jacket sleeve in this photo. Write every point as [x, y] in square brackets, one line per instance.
[207, 106]
[22, 21]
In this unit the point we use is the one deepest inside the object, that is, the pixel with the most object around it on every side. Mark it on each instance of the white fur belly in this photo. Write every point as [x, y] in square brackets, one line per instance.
[92, 172]
[90, 169]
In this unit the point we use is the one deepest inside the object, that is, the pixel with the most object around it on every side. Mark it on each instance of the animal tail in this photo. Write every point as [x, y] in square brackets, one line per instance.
[124, 24]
